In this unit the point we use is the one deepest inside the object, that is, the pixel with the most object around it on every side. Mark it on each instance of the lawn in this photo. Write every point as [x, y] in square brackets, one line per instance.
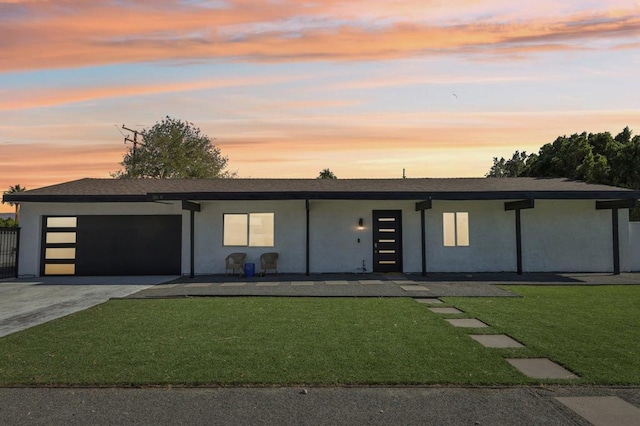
[236, 341]
[594, 331]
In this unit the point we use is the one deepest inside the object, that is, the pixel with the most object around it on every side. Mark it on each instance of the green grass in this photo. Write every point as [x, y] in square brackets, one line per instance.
[593, 331]
[264, 341]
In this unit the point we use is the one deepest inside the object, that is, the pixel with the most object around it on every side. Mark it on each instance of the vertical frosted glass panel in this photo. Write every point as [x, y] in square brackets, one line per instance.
[235, 230]
[462, 228]
[261, 229]
[62, 222]
[61, 237]
[449, 229]
[59, 269]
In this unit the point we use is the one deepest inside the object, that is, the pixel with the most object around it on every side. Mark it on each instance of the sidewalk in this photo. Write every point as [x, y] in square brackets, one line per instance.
[317, 406]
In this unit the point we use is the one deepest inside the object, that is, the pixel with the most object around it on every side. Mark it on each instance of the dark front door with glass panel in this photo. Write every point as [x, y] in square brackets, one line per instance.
[387, 241]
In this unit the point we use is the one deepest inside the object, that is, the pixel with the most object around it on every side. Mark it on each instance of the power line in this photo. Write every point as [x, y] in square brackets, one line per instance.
[134, 140]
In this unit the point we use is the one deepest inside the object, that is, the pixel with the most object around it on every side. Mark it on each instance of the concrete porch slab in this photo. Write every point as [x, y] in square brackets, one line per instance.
[445, 310]
[603, 410]
[496, 341]
[541, 368]
[466, 323]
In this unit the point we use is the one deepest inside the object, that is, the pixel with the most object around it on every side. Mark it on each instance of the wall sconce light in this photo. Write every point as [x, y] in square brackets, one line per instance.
[360, 223]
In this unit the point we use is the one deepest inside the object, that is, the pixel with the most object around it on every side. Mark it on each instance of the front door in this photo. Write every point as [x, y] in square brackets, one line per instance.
[387, 241]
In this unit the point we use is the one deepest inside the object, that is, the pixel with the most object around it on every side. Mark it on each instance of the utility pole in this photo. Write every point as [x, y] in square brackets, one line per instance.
[134, 140]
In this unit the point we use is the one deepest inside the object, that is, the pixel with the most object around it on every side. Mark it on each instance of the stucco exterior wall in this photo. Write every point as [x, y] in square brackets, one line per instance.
[569, 236]
[492, 242]
[334, 234]
[634, 247]
[558, 236]
[289, 238]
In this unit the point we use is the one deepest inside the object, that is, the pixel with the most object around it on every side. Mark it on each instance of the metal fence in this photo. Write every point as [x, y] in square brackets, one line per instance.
[9, 247]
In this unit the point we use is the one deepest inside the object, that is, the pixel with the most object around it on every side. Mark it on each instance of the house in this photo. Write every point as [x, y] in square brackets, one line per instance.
[189, 226]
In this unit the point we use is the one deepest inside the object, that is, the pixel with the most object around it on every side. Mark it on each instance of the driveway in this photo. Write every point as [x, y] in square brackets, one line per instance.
[28, 302]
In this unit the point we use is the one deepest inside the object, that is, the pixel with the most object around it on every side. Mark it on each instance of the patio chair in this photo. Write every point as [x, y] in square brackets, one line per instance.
[268, 261]
[235, 262]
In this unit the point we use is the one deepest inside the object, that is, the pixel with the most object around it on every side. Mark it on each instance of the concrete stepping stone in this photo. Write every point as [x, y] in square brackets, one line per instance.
[445, 310]
[603, 410]
[413, 288]
[466, 323]
[541, 368]
[198, 285]
[302, 283]
[268, 284]
[337, 282]
[496, 341]
[405, 282]
[368, 282]
[233, 284]
[429, 301]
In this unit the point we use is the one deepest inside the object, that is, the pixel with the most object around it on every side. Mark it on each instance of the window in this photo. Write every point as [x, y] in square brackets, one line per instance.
[455, 229]
[252, 230]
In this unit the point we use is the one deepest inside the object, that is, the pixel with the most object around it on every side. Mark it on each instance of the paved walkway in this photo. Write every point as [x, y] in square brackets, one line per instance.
[553, 406]
[373, 285]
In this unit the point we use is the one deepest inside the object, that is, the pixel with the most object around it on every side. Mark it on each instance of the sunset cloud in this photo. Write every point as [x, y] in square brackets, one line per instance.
[49, 35]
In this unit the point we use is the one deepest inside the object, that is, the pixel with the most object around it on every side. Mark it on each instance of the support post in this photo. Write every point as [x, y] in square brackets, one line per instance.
[616, 242]
[519, 241]
[192, 261]
[615, 205]
[192, 208]
[423, 240]
[306, 203]
[518, 206]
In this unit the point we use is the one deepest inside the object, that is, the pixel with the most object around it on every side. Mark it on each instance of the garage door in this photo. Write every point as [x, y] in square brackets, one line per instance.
[112, 245]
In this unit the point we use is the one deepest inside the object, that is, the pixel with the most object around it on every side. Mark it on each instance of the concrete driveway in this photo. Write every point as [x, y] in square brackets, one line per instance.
[28, 302]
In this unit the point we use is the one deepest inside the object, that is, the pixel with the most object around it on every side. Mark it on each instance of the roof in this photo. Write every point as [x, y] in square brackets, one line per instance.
[144, 190]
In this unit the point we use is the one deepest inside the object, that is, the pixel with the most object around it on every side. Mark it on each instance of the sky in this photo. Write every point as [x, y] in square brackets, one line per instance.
[289, 87]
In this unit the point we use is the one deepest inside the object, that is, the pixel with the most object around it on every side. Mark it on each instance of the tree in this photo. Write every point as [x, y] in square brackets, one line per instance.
[593, 158]
[513, 167]
[326, 174]
[12, 190]
[174, 149]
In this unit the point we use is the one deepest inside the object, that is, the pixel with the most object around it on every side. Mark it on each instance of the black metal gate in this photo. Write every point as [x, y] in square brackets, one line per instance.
[9, 248]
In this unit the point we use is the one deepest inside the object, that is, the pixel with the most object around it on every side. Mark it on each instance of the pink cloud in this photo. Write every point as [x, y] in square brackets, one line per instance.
[88, 33]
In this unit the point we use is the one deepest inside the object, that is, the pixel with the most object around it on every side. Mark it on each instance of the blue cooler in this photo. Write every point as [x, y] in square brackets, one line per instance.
[249, 269]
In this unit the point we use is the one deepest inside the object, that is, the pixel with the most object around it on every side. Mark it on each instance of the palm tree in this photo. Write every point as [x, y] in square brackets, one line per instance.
[326, 174]
[13, 190]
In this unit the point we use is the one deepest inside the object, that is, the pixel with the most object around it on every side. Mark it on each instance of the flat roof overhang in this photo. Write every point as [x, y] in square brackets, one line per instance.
[338, 195]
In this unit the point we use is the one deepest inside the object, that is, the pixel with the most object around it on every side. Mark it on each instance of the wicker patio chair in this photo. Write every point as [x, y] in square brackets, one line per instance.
[268, 261]
[235, 262]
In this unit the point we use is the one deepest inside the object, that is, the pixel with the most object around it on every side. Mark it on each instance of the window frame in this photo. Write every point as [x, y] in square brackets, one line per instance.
[455, 223]
[248, 229]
